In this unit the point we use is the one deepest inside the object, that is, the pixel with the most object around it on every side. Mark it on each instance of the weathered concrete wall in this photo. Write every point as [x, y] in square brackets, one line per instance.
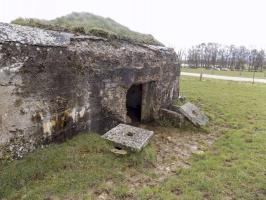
[58, 85]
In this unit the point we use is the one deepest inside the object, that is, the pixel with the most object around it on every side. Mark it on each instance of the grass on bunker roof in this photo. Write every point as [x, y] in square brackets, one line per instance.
[234, 168]
[90, 24]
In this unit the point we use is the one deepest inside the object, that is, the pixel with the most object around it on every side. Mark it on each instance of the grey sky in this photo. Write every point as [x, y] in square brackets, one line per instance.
[177, 23]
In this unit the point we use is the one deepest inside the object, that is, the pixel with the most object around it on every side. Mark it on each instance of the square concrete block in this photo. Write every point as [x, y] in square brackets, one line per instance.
[194, 114]
[129, 137]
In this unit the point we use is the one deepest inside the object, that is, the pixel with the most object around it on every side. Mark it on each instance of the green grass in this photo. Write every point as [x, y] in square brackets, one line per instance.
[89, 24]
[226, 73]
[121, 191]
[69, 169]
[234, 168]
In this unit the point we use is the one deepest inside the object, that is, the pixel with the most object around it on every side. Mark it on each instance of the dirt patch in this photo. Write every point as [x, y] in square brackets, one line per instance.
[174, 147]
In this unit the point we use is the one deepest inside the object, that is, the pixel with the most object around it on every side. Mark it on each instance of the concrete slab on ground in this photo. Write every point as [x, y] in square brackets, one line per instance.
[129, 137]
[194, 114]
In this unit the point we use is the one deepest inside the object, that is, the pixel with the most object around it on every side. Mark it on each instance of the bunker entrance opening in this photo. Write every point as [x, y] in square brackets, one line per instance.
[140, 101]
[134, 101]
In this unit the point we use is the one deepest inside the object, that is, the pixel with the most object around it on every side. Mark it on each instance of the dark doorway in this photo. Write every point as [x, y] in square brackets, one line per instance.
[134, 100]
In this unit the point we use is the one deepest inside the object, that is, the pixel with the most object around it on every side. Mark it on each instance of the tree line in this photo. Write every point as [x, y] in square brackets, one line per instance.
[214, 55]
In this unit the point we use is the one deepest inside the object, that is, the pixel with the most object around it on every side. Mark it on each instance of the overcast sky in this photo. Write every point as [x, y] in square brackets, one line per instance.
[177, 23]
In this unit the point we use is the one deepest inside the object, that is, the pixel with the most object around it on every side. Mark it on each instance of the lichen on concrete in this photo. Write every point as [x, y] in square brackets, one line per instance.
[34, 36]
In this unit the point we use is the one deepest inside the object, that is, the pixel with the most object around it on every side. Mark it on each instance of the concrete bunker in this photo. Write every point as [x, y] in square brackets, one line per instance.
[53, 84]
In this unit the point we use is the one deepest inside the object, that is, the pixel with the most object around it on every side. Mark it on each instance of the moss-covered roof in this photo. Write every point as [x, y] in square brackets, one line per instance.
[90, 24]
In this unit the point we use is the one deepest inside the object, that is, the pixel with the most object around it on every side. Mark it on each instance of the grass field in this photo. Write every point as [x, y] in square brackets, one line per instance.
[235, 167]
[82, 168]
[226, 73]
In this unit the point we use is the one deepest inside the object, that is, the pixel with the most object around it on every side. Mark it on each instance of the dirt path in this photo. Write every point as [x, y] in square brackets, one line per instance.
[229, 78]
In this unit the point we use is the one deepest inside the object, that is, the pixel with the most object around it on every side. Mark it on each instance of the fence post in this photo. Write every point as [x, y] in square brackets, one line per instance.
[253, 77]
[201, 72]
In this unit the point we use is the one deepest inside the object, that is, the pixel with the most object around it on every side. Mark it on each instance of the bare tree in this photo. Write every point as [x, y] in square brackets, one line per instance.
[212, 55]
